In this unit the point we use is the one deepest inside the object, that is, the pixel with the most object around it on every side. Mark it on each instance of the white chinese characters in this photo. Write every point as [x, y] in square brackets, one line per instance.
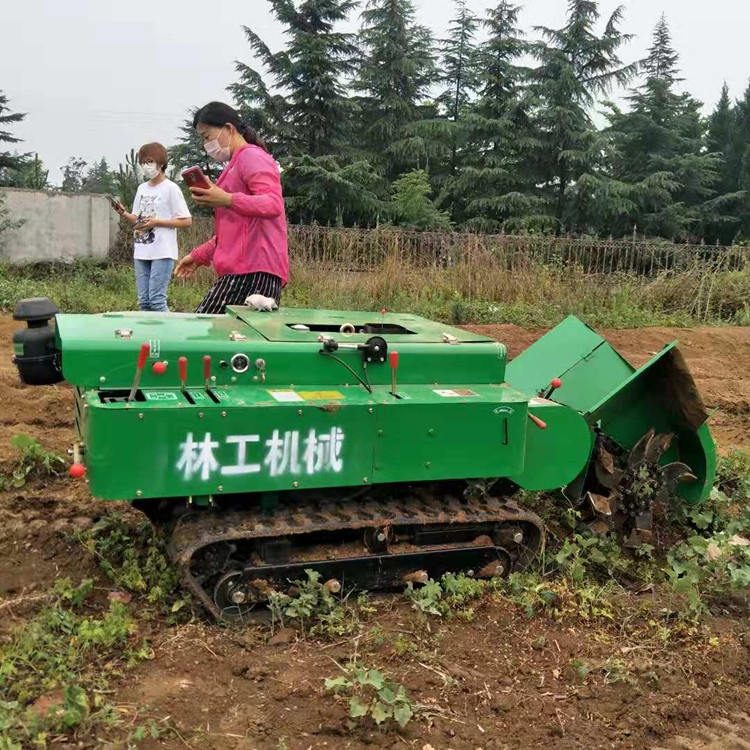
[286, 453]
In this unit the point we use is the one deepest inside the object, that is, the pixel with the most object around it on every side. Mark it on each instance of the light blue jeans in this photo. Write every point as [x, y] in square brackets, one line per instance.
[152, 279]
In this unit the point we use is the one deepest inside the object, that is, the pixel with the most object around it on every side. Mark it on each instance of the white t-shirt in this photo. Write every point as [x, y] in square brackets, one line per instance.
[163, 201]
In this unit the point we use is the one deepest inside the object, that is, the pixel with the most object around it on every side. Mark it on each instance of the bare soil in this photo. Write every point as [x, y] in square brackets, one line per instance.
[501, 681]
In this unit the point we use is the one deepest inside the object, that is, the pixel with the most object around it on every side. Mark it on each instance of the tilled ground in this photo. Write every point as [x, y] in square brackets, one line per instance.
[500, 681]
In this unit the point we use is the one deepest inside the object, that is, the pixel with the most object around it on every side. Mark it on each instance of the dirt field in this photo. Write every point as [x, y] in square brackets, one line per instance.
[501, 681]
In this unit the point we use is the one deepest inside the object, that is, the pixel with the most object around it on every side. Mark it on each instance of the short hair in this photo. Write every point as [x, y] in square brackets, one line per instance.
[154, 151]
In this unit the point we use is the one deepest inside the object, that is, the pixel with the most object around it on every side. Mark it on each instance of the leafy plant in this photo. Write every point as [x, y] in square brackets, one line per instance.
[34, 461]
[312, 602]
[134, 558]
[371, 694]
[451, 593]
[66, 654]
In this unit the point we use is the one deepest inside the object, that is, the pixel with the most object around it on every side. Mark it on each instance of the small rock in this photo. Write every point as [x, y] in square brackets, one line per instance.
[282, 638]
[239, 671]
[427, 747]
[120, 596]
[502, 704]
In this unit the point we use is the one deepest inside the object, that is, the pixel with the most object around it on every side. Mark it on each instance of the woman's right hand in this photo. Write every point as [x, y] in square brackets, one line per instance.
[186, 267]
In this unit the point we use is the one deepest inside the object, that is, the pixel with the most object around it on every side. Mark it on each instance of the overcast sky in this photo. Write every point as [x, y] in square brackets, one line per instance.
[97, 77]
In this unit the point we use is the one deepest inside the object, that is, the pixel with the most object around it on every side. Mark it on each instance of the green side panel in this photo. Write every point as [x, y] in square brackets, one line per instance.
[250, 441]
[449, 437]
[556, 455]
[624, 403]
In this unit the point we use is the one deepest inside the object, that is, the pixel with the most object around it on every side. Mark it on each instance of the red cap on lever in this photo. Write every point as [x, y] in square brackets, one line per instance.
[182, 368]
[394, 367]
[556, 382]
[77, 471]
[207, 370]
[394, 360]
[143, 355]
[159, 368]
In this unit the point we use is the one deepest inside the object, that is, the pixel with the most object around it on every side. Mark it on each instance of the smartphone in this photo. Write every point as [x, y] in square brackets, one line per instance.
[116, 204]
[194, 177]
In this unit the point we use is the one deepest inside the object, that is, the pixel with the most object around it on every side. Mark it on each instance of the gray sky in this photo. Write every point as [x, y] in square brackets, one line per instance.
[97, 77]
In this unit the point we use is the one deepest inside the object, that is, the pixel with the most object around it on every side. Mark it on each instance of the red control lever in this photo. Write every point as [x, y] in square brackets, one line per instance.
[142, 357]
[538, 422]
[182, 367]
[207, 370]
[554, 384]
[394, 367]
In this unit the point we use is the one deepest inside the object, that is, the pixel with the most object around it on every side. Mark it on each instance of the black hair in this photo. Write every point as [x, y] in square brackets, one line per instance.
[217, 115]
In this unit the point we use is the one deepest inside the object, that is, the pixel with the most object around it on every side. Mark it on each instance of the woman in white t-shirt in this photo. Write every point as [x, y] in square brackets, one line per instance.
[159, 209]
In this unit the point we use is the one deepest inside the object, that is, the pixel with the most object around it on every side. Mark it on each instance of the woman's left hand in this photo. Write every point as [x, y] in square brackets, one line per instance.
[214, 196]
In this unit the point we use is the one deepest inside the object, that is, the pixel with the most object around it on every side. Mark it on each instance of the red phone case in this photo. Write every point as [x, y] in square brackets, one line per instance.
[194, 177]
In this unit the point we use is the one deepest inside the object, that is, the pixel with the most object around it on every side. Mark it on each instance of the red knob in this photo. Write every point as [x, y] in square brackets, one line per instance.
[394, 360]
[159, 368]
[383, 311]
[556, 382]
[206, 367]
[182, 366]
[77, 471]
[143, 355]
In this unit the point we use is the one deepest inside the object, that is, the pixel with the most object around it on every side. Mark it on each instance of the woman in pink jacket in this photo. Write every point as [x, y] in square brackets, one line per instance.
[249, 248]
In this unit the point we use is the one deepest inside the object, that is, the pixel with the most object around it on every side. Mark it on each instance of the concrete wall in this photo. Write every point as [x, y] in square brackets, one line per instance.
[60, 226]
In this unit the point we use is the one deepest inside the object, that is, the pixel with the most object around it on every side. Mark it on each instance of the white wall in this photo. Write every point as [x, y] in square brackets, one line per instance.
[60, 226]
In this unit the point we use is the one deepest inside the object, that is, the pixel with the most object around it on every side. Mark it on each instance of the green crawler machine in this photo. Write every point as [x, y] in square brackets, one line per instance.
[373, 448]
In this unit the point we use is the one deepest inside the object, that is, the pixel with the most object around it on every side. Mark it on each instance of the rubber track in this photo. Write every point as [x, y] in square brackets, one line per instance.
[289, 518]
[720, 734]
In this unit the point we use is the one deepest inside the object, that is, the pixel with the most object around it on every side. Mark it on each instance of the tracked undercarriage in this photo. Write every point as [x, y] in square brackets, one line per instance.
[232, 560]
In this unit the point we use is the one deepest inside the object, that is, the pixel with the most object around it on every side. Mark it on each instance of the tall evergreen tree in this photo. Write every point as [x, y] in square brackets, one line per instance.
[493, 186]
[8, 161]
[661, 146]
[393, 78]
[98, 179]
[576, 66]
[312, 115]
[741, 153]
[721, 139]
[73, 175]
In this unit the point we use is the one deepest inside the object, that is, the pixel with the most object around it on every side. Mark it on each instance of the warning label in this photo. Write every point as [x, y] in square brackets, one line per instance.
[287, 396]
[320, 395]
[457, 393]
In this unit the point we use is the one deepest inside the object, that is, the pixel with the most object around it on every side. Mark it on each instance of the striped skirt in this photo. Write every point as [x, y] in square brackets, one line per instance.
[234, 289]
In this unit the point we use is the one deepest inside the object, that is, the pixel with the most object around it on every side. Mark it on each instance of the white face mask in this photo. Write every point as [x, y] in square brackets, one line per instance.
[216, 152]
[150, 171]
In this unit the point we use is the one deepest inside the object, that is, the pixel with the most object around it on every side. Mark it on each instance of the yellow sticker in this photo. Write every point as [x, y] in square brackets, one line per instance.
[320, 395]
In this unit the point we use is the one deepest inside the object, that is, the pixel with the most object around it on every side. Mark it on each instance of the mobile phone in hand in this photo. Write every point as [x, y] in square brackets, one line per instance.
[116, 204]
[194, 177]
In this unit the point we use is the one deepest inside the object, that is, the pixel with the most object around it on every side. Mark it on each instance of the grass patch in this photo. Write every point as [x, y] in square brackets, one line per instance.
[55, 668]
[473, 291]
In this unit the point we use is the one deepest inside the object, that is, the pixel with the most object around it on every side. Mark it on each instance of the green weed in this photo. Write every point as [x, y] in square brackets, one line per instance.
[134, 558]
[372, 695]
[450, 595]
[313, 607]
[67, 652]
[34, 461]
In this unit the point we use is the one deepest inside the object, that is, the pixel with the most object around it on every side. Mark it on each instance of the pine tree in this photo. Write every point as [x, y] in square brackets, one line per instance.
[576, 66]
[741, 162]
[8, 161]
[396, 70]
[721, 139]
[73, 175]
[412, 207]
[661, 152]
[322, 190]
[493, 189]
[312, 115]
[98, 179]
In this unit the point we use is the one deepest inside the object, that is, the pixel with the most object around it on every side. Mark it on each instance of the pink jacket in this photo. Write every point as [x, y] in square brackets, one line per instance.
[251, 234]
